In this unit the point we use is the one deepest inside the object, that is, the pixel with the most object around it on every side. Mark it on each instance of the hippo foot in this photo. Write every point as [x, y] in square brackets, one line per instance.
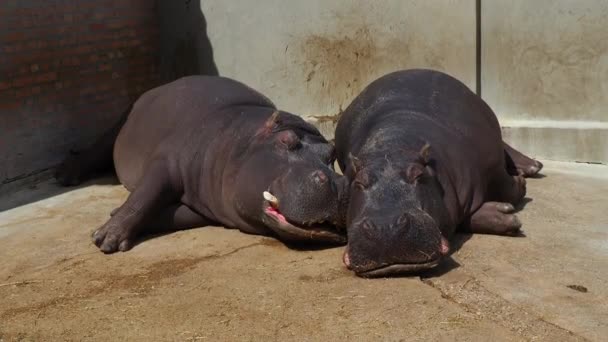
[71, 171]
[530, 168]
[111, 238]
[520, 189]
[495, 218]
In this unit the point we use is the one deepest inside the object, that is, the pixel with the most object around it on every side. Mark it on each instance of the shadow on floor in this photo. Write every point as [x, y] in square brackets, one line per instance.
[185, 49]
[38, 191]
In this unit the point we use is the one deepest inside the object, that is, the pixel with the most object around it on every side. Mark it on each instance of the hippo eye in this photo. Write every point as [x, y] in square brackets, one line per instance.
[402, 220]
[289, 139]
[414, 172]
[368, 229]
[359, 185]
[362, 181]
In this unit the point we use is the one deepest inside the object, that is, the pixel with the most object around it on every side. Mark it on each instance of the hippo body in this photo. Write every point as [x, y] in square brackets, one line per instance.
[424, 156]
[202, 150]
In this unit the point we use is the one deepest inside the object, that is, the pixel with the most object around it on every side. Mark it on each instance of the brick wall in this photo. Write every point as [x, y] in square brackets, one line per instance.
[68, 68]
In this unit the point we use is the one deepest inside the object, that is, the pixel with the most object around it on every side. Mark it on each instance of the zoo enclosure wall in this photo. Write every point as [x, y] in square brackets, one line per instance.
[69, 68]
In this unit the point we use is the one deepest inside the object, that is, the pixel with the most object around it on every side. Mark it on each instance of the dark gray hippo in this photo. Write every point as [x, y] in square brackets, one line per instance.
[209, 150]
[424, 156]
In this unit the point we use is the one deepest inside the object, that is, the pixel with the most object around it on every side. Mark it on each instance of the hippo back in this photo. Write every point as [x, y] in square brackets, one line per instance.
[441, 99]
[406, 109]
[166, 119]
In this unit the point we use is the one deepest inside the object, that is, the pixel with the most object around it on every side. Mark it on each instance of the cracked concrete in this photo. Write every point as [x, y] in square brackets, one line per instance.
[218, 284]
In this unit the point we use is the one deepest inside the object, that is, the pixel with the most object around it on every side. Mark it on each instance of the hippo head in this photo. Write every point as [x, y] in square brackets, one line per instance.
[292, 188]
[394, 217]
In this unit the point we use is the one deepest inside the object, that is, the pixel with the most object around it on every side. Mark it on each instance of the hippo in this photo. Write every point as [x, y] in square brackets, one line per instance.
[209, 150]
[424, 157]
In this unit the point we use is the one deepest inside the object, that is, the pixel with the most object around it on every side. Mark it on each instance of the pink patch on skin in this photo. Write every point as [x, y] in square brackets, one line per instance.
[346, 258]
[275, 213]
[445, 246]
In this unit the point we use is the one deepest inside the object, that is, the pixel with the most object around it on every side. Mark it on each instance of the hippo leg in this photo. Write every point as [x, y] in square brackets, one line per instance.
[176, 217]
[507, 188]
[523, 165]
[494, 218]
[153, 193]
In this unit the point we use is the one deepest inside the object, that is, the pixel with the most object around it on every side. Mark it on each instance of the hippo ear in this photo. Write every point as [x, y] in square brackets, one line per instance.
[355, 163]
[424, 153]
[269, 125]
[289, 139]
[272, 120]
[413, 172]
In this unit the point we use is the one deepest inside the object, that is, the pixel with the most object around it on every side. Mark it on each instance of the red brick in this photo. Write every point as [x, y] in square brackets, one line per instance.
[23, 92]
[23, 81]
[47, 77]
[97, 27]
[7, 106]
[55, 50]
[10, 37]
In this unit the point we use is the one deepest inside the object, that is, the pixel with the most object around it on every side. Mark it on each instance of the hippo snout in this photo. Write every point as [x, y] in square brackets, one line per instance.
[373, 269]
[409, 244]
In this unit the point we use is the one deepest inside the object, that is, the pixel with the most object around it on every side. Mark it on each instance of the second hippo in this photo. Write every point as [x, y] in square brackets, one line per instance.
[425, 157]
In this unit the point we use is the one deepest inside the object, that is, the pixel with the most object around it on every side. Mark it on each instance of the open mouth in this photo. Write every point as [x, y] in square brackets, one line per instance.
[316, 232]
[398, 269]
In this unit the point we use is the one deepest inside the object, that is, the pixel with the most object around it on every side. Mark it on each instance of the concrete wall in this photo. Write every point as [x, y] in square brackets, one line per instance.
[312, 57]
[544, 63]
[68, 69]
[545, 73]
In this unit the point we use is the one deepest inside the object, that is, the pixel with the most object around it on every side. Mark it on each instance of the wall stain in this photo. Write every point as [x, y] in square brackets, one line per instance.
[555, 72]
[339, 63]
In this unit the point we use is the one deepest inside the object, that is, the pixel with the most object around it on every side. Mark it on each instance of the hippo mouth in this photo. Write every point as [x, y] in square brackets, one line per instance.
[314, 232]
[398, 269]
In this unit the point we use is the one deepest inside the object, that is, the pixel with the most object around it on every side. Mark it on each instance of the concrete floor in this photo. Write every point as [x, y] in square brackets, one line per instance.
[218, 284]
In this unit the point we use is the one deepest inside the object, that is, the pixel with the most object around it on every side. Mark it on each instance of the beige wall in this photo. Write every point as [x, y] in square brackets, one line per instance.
[545, 73]
[312, 57]
[544, 66]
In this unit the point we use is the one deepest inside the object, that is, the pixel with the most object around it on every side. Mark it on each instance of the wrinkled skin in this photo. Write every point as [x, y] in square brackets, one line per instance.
[425, 157]
[202, 150]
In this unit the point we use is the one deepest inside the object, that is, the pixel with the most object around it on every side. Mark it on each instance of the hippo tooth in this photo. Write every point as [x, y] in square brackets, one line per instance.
[270, 198]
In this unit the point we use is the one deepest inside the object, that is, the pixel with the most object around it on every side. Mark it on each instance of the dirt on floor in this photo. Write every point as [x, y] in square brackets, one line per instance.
[217, 284]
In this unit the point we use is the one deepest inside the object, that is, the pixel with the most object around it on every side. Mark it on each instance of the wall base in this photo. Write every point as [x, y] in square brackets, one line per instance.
[574, 144]
[561, 142]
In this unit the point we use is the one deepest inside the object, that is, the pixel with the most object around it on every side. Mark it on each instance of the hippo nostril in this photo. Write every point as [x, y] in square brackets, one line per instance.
[319, 177]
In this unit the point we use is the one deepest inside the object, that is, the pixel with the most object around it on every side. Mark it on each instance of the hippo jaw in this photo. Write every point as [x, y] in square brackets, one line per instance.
[311, 207]
[387, 270]
[398, 269]
[315, 232]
